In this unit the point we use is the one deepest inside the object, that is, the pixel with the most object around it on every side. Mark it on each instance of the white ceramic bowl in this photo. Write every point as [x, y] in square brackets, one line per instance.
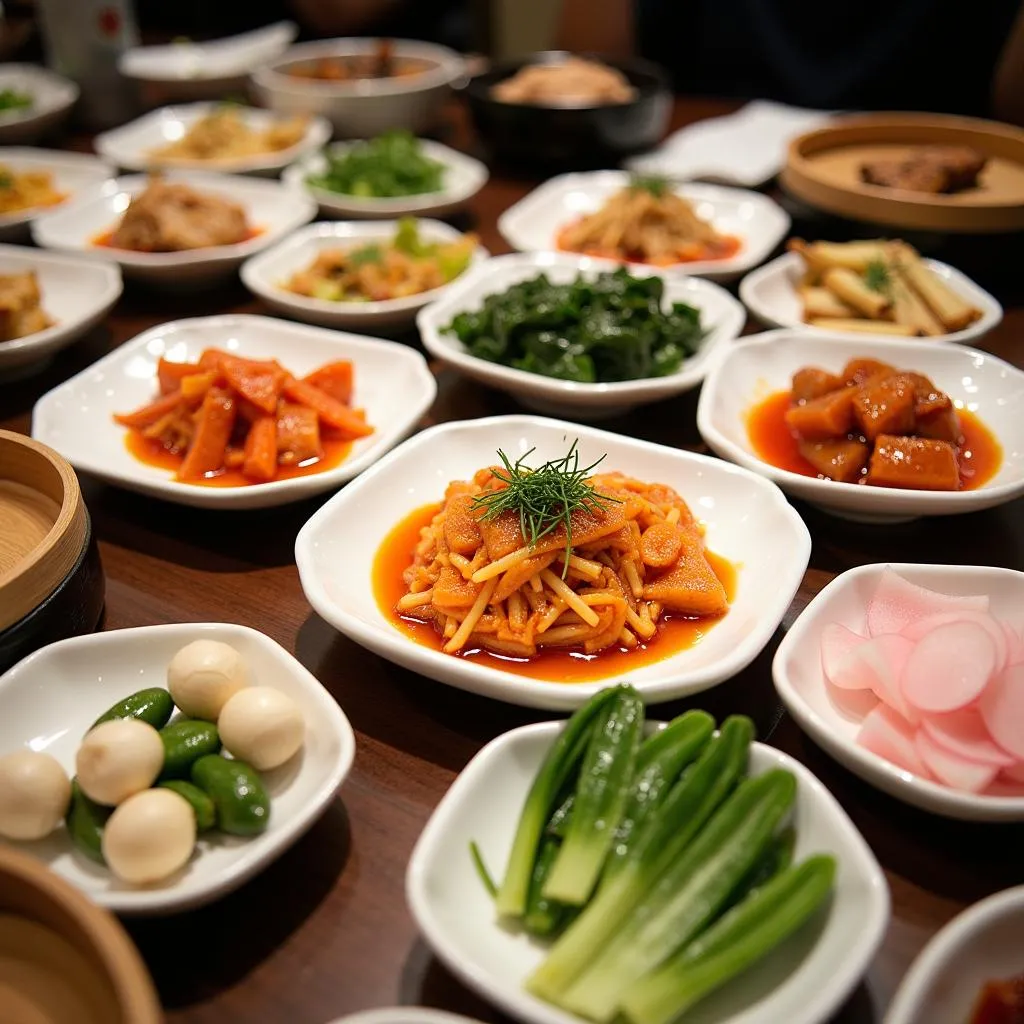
[364, 107]
[463, 178]
[271, 209]
[209, 70]
[801, 683]
[131, 146]
[748, 522]
[984, 943]
[265, 274]
[770, 294]
[802, 982]
[535, 221]
[721, 314]
[74, 175]
[392, 383]
[76, 293]
[49, 700]
[53, 96]
[755, 368]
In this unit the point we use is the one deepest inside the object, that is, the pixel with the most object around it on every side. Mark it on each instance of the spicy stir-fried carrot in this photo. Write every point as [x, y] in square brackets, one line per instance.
[251, 415]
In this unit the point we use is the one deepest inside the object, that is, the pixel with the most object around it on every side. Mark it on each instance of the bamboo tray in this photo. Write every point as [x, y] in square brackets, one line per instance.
[823, 170]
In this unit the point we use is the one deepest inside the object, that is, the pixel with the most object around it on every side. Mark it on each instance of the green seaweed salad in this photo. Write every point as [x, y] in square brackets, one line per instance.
[607, 328]
[393, 164]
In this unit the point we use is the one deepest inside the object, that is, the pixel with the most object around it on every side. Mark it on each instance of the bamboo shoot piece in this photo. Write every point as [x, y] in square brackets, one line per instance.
[823, 302]
[830, 323]
[851, 288]
[954, 313]
[909, 308]
[848, 255]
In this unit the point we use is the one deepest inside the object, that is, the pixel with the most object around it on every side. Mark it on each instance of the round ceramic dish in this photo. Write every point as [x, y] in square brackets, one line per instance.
[52, 95]
[595, 136]
[823, 169]
[361, 108]
[62, 957]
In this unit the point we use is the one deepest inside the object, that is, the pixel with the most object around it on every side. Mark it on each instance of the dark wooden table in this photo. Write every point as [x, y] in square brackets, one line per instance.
[325, 931]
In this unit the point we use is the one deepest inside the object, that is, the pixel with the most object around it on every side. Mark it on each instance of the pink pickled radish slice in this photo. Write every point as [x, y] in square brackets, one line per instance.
[949, 668]
[956, 772]
[965, 734]
[991, 625]
[897, 602]
[885, 658]
[837, 646]
[1015, 773]
[891, 737]
[852, 704]
[1014, 645]
[1002, 710]
[1005, 788]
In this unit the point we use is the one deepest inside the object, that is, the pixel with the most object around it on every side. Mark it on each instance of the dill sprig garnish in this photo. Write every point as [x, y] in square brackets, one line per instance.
[877, 276]
[653, 183]
[544, 498]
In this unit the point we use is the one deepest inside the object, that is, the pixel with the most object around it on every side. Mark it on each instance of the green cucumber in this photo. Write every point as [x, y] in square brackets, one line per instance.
[776, 859]
[687, 896]
[202, 806]
[562, 759]
[185, 741]
[153, 705]
[543, 916]
[660, 760]
[558, 824]
[85, 820]
[601, 792]
[243, 807]
[738, 939]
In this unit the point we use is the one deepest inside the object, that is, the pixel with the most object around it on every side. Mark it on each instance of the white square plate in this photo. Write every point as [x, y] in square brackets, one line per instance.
[721, 315]
[463, 178]
[759, 222]
[770, 294]
[270, 208]
[131, 145]
[802, 982]
[74, 175]
[756, 367]
[76, 293]
[801, 683]
[49, 700]
[392, 383]
[266, 273]
[53, 96]
[748, 522]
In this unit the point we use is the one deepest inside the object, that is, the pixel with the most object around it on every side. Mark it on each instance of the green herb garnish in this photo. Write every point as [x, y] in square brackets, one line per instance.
[877, 277]
[544, 498]
[652, 183]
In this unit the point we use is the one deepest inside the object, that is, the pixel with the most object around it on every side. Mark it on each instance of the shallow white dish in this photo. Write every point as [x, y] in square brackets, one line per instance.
[746, 148]
[720, 313]
[800, 681]
[983, 943]
[463, 178]
[49, 700]
[131, 145]
[74, 175]
[754, 368]
[271, 209]
[53, 96]
[265, 274]
[759, 222]
[76, 293]
[748, 522]
[392, 383]
[802, 982]
[361, 108]
[771, 296]
[190, 70]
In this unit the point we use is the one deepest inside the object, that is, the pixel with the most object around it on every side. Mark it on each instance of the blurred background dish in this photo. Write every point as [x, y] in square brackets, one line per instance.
[51, 582]
[362, 86]
[578, 134]
[37, 100]
[62, 958]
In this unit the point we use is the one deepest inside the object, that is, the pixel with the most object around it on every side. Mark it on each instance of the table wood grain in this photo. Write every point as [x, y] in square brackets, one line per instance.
[325, 930]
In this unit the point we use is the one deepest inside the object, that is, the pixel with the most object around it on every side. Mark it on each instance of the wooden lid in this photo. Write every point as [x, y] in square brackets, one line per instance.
[43, 524]
[62, 958]
[823, 169]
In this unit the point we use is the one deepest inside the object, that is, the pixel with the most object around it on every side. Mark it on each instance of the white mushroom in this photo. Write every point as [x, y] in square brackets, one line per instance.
[34, 794]
[149, 836]
[203, 675]
[262, 726]
[119, 758]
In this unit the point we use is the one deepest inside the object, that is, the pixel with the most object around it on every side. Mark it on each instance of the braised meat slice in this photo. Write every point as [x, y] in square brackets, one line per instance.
[932, 169]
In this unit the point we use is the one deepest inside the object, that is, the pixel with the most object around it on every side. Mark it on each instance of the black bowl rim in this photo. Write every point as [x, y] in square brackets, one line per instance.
[479, 86]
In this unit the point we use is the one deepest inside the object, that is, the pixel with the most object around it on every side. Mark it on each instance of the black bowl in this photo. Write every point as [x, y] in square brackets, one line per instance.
[570, 137]
[70, 610]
